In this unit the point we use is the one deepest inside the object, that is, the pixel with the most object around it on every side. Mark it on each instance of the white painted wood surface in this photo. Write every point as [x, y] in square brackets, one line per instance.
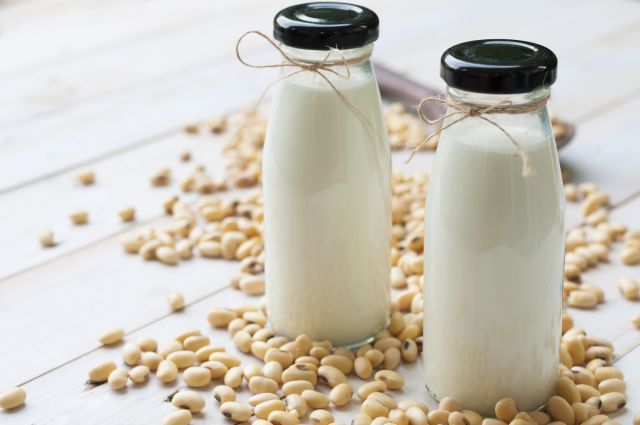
[108, 85]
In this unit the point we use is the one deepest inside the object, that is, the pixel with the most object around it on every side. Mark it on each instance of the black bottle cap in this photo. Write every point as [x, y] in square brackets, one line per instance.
[498, 66]
[324, 25]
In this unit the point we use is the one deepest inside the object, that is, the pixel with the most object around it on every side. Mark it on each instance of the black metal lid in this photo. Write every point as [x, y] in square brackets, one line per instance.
[498, 66]
[324, 25]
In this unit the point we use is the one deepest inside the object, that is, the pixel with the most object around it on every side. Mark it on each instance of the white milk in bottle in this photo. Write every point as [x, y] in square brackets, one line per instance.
[494, 239]
[326, 181]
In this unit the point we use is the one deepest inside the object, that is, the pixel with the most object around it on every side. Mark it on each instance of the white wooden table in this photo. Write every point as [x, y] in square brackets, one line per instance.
[109, 85]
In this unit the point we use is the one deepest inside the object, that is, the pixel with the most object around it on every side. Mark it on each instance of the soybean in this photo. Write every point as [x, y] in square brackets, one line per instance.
[264, 409]
[118, 379]
[394, 381]
[112, 336]
[341, 394]
[189, 400]
[235, 411]
[224, 393]
[260, 384]
[179, 417]
[13, 398]
[315, 399]
[100, 373]
[295, 403]
[167, 371]
[139, 374]
[321, 417]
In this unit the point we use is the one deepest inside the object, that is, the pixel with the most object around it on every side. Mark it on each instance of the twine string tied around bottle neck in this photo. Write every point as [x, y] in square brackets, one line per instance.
[459, 111]
[319, 68]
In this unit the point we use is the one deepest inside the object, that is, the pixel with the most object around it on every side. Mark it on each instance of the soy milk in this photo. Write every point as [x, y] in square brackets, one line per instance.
[493, 261]
[326, 178]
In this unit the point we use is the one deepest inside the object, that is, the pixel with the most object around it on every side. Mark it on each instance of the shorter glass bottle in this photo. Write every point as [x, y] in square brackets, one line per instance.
[494, 238]
[327, 180]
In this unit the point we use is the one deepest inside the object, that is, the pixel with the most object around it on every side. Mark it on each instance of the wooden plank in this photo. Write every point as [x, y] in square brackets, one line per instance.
[108, 126]
[77, 28]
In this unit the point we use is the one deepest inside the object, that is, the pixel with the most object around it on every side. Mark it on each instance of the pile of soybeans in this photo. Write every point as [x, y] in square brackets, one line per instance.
[304, 381]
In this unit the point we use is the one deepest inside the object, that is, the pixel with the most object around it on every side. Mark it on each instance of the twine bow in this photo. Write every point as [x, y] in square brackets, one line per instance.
[464, 110]
[319, 68]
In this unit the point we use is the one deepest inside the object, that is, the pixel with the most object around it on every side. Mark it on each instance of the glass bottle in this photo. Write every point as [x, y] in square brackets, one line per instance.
[326, 180]
[494, 238]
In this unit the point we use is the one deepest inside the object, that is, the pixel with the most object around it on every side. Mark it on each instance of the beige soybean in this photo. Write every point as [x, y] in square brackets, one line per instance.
[167, 371]
[139, 374]
[438, 416]
[630, 255]
[398, 417]
[409, 351]
[176, 301]
[561, 410]
[375, 356]
[385, 399]
[283, 418]
[587, 391]
[285, 358]
[416, 416]
[236, 411]
[79, 217]
[220, 317]
[295, 403]
[612, 385]
[321, 417]
[613, 401]
[344, 363]
[363, 419]
[186, 334]
[331, 376]
[229, 360]
[371, 387]
[223, 393]
[13, 398]
[251, 370]
[182, 359]
[374, 408]
[393, 380]
[581, 412]
[46, 239]
[567, 389]
[299, 372]
[243, 340]
[150, 359]
[190, 400]
[492, 421]
[112, 336]
[458, 418]
[234, 377]
[100, 373]
[341, 394]
[260, 384]
[596, 420]
[171, 347]
[608, 372]
[196, 342]
[147, 344]
[363, 367]
[629, 288]
[315, 399]
[391, 358]
[203, 353]
[506, 409]
[252, 285]
[196, 376]
[407, 404]
[582, 299]
[131, 353]
[474, 418]
[264, 409]
[118, 379]
[167, 255]
[296, 387]
[179, 417]
[273, 370]
[256, 399]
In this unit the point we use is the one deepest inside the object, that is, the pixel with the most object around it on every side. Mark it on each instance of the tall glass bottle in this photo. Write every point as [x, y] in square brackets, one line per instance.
[326, 180]
[494, 239]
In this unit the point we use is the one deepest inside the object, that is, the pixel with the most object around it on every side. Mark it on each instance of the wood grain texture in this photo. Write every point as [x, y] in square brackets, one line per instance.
[97, 92]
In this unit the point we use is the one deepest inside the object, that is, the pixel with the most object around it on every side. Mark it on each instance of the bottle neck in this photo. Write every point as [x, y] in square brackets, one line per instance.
[331, 56]
[485, 99]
